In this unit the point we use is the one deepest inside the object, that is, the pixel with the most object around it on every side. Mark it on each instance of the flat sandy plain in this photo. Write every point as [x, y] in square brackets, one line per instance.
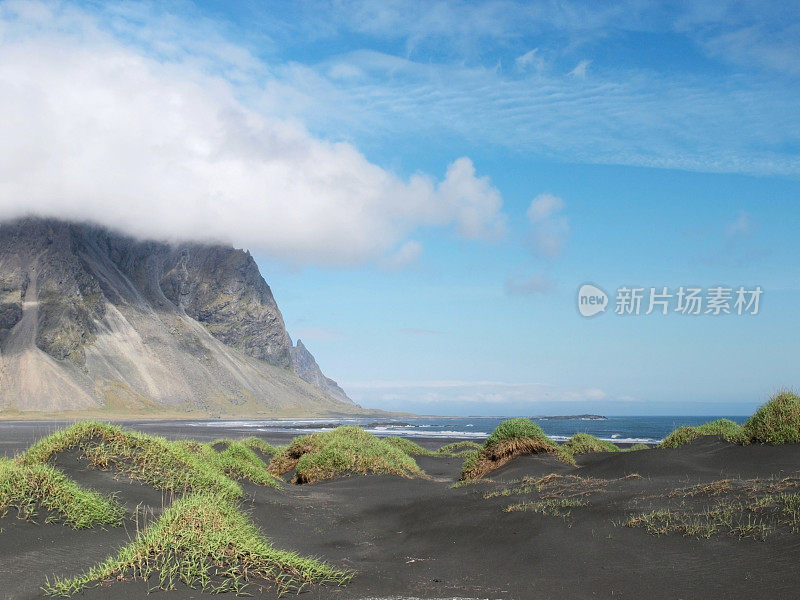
[422, 538]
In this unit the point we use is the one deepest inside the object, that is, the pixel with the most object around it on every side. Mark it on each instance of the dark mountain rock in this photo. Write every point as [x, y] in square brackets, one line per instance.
[224, 291]
[307, 368]
[91, 319]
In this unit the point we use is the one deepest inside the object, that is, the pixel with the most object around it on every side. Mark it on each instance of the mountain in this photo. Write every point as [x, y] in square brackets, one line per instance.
[308, 370]
[95, 321]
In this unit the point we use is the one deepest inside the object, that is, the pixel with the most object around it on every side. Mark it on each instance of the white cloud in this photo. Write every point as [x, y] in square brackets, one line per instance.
[543, 206]
[405, 256]
[579, 72]
[472, 202]
[549, 228]
[93, 128]
[530, 60]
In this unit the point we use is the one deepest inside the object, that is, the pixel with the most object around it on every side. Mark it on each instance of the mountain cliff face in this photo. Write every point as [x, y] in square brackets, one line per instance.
[308, 370]
[93, 320]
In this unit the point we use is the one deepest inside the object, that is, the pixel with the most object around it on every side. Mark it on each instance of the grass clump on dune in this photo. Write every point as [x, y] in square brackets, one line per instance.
[255, 443]
[175, 466]
[448, 450]
[637, 447]
[776, 422]
[683, 435]
[458, 448]
[251, 442]
[237, 461]
[207, 542]
[28, 487]
[510, 439]
[680, 436]
[342, 450]
[407, 446]
[581, 443]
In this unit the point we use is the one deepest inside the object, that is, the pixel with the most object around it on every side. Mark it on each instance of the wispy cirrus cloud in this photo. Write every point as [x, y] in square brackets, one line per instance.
[532, 59]
[567, 80]
[600, 116]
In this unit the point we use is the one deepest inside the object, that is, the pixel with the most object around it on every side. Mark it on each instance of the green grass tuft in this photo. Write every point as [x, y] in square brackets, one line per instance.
[776, 422]
[174, 466]
[554, 507]
[637, 447]
[472, 461]
[28, 487]
[342, 450]
[236, 461]
[581, 443]
[458, 448]
[741, 507]
[514, 429]
[204, 541]
[722, 518]
[407, 446]
[414, 449]
[680, 436]
[512, 438]
[251, 442]
[255, 443]
[683, 435]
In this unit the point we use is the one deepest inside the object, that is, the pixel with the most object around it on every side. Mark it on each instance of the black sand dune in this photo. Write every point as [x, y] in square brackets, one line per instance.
[424, 539]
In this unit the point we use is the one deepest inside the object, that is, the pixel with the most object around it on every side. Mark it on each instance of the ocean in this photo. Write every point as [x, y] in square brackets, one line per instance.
[622, 430]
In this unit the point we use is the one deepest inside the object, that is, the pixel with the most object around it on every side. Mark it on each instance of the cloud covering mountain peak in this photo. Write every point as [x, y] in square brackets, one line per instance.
[167, 148]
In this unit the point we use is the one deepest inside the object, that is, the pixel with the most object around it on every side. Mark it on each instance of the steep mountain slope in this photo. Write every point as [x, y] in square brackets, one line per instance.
[307, 368]
[95, 321]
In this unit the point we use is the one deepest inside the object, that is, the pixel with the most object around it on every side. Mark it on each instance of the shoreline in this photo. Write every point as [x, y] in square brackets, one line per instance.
[280, 430]
[15, 436]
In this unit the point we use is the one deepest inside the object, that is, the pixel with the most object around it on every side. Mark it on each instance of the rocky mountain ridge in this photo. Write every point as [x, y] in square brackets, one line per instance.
[307, 368]
[94, 320]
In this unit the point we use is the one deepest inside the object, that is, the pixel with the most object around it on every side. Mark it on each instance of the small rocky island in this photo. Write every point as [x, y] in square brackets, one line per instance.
[572, 417]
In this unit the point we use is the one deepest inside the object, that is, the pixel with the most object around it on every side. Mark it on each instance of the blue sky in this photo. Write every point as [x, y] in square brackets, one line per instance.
[425, 185]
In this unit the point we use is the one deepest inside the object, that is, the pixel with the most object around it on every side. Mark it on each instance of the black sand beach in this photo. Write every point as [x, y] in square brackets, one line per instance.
[418, 538]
